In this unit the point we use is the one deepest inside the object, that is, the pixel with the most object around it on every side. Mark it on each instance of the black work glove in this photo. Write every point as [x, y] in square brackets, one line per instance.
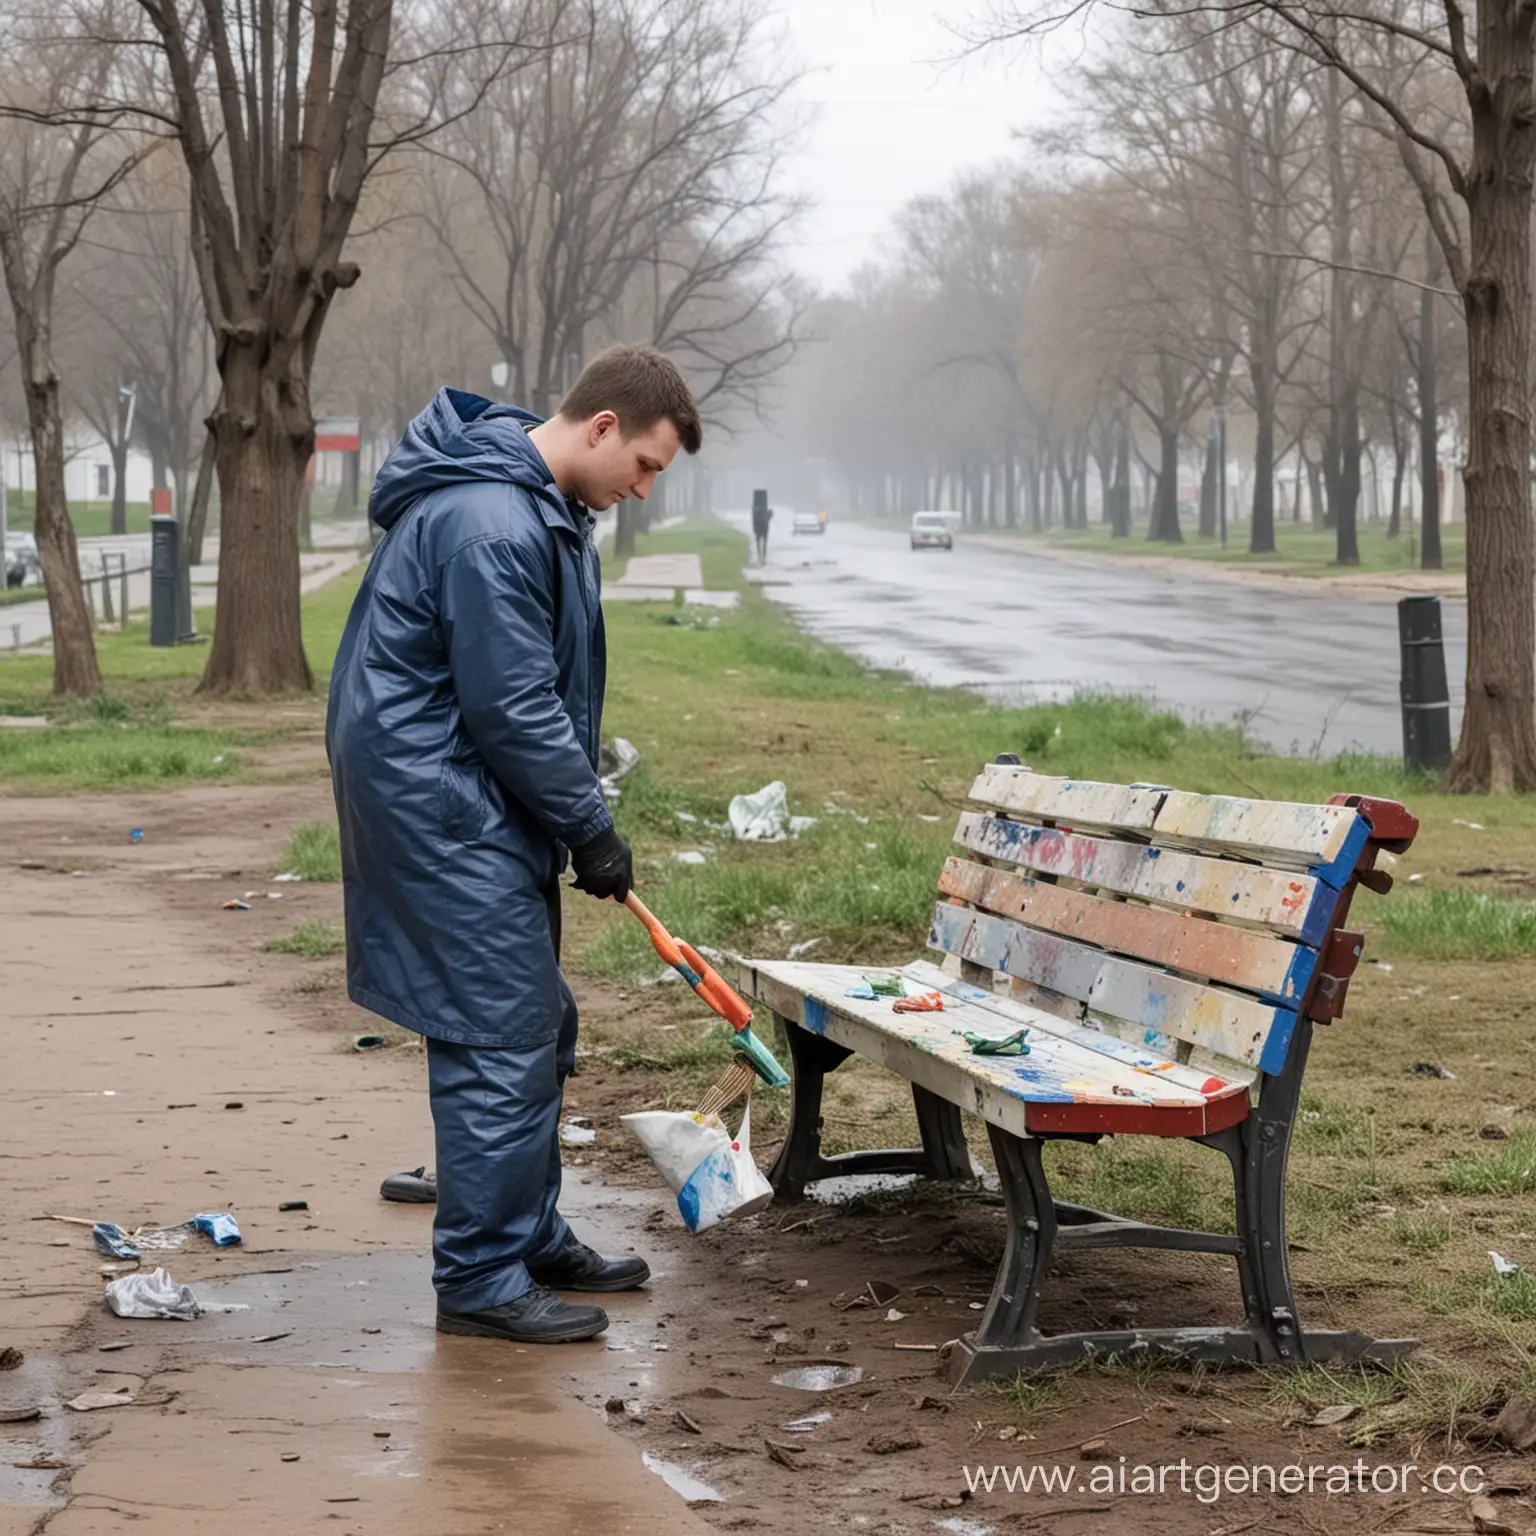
[604, 867]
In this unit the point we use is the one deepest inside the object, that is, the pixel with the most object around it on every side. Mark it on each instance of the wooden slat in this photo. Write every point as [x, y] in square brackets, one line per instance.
[1274, 968]
[1326, 839]
[1015, 1015]
[1060, 1085]
[1280, 901]
[1222, 1021]
[1080, 802]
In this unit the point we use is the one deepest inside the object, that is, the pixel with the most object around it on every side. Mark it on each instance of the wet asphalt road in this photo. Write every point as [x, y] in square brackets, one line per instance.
[1023, 627]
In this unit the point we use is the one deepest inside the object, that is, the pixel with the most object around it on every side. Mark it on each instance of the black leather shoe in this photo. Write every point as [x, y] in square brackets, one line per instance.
[418, 1188]
[581, 1268]
[535, 1317]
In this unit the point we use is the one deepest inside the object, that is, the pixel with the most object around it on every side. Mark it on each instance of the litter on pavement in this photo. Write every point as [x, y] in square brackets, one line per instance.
[220, 1226]
[153, 1295]
[113, 1241]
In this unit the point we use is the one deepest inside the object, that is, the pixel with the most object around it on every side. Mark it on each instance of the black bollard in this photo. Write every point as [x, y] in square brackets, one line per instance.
[1426, 696]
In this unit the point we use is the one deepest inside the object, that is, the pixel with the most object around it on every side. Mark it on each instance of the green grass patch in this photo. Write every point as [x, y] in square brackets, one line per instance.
[1506, 1168]
[314, 851]
[1301, 550]
[1136, 1177]
[1422, 1234]
[1408, 1398]
[109, 756]
[313, 940]
[1454, 925]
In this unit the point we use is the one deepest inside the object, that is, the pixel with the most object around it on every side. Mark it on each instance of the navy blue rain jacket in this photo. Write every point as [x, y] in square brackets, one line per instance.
[463, 727]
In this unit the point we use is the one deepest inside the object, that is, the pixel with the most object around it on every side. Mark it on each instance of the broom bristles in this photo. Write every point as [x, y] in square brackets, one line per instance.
[728, 1087]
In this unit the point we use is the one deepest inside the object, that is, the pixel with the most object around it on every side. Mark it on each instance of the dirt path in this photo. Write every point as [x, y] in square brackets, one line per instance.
[158, 1064]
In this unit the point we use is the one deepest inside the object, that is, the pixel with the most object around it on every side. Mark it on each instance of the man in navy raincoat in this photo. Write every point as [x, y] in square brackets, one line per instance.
[465, 709]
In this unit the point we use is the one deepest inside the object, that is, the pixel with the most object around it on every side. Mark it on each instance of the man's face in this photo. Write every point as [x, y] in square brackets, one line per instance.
[614, 466]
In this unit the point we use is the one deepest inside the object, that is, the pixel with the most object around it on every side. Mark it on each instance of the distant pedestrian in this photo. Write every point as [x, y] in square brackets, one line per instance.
[762, 515]
[463, 732]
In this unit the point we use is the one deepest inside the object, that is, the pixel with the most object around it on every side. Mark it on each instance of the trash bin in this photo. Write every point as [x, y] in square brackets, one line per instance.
[1425, 693]
[170, 590]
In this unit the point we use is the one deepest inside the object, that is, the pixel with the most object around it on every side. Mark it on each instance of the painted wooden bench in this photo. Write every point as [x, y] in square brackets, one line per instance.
[1169, 955]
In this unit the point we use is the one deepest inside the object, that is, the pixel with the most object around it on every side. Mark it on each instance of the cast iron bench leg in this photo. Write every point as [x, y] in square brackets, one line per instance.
[943, 1154]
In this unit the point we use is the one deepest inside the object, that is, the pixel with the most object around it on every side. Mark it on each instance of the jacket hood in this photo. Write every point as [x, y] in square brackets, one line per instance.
[459, 437]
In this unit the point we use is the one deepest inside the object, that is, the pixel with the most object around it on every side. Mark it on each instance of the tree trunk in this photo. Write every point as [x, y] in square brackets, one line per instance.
[1399, 467]
[1261, 530]
[1344, 490]
[1010, 485]
[202, 493]
[1120, 503]
[75, 669]
[264, 434]
[1431, 557]
[1497, 749]
[1163, 526]
[624, 531]
[119, 451]
[1208, 489]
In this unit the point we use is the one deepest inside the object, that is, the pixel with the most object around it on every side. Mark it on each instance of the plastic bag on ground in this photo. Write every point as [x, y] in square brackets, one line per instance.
[711, 1172]
[760, 818]
[152, 1295]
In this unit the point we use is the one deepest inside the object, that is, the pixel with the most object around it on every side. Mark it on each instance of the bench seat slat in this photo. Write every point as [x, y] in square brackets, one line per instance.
[1325, 839]
[1222, 1021]
[1060, 1085]
[1274, 968]
[1081, 802]
[1280, 901]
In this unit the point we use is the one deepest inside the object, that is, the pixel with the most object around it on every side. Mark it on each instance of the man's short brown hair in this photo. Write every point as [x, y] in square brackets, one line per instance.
[640, 386]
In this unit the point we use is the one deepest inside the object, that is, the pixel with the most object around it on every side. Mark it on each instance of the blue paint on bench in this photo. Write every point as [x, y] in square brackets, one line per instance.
[1277, 1047]
[815, 1016]
[1337, 872]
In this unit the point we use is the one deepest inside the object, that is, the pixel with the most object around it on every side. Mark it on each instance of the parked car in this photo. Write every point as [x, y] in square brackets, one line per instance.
[807, 522]
[21, 559]
[931, 530]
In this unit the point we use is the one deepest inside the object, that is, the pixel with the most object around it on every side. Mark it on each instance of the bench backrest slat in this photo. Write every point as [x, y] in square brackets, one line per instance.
[1083, 803]
[1226, 1023]
[1276, 969]
[1326, 840]
[1185, 924]
[1278, 901]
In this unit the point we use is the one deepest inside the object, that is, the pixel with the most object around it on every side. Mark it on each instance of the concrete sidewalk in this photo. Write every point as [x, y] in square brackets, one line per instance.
[156, 1068]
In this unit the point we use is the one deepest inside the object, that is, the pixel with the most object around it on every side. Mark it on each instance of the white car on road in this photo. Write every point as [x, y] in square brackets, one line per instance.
[931, 530]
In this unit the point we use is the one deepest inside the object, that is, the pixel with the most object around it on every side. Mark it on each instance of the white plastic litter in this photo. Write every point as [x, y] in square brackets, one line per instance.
[617, 759]
[689, 856]
[711, 1172]
[764, 817]
[152, 1295]
[572, 1135]
[1501, 1265]
[760, 818]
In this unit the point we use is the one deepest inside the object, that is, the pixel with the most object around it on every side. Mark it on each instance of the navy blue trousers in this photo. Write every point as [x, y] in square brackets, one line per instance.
[496, 1114]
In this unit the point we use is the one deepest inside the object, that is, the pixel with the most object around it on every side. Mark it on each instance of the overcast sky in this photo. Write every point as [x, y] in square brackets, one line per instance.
[893, 118]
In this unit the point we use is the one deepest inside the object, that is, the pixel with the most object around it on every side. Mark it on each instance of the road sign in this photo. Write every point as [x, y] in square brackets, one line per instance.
[337, 434]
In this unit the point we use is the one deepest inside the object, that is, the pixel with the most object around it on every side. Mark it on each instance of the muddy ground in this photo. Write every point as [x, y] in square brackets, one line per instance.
[159, 1063]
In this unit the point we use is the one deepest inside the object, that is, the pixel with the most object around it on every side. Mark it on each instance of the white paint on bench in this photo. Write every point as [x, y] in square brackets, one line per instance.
[1196, 946]
[1248, 895]
[1067, 1064]
[1220, 1020]
[1324, 838]
[1080, 802]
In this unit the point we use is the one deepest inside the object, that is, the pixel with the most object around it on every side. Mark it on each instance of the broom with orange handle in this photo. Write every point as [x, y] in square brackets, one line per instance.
[752, 1057]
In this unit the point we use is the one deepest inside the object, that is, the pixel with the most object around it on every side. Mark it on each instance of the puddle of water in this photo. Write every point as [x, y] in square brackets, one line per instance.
[961, 1526]
[819, 1378]
[806, 1425]
[681, 1481]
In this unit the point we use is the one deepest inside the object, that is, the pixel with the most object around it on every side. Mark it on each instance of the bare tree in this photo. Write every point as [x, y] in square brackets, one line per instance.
[1475, 178]
[60, 155]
